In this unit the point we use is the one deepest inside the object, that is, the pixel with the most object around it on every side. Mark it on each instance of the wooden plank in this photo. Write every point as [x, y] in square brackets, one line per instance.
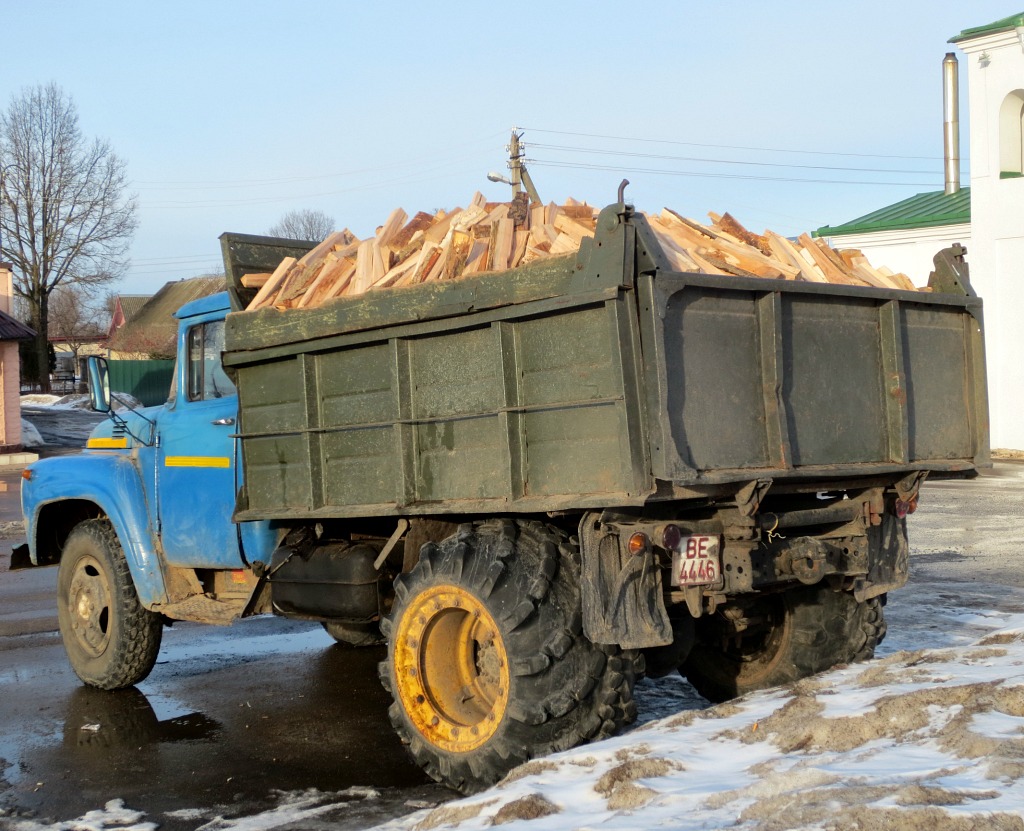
[442, 225]
[341, 281]
[522, 239]
[728, 223]
[563, 244]
[867, 274]
[502, 235]
[278, 276]
[740, 255]
[338, 238]
[537, 213]
[678, 256]
[320, 288]
[424, 262]
[835, 259]
[832, 272]
[363, 278]
[255, 281]
[327, 265]
[901, 280]
[476, 261]
[786, 251]
[461, 242]
[572, 228]
[391, 227]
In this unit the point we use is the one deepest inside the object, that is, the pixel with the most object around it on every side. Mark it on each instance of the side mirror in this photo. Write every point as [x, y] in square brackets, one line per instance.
[99, 384]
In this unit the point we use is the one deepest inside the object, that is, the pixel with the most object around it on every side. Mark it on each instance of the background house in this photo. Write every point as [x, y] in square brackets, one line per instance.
[987, 217]
[149, 330]
[126, 307]
[141, 351]
[11, 332]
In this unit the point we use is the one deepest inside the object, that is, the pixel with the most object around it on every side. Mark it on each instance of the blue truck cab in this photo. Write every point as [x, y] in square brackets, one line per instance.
[159, 485]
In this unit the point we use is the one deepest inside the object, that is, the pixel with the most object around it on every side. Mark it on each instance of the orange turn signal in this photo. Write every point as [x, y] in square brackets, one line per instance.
[639, 544]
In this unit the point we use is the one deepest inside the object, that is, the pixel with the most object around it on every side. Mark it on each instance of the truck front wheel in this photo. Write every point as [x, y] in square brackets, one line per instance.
[781, 638]
[487, 661]
[111, 640]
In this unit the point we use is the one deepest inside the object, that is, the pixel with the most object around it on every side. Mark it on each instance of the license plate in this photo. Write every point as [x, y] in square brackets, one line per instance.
[696, 561]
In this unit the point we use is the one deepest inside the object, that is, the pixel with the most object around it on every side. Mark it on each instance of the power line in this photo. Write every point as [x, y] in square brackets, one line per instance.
[572, 149]
[411, 178]
[451, 158]
[696, 174]
[728, 146]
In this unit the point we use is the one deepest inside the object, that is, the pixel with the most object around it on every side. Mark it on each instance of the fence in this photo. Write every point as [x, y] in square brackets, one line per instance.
[147, 381]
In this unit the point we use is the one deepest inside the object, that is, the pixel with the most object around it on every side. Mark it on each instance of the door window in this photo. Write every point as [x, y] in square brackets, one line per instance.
[206, 376]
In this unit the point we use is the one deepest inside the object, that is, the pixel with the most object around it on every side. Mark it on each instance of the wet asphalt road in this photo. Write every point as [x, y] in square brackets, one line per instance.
[228, 718]
[231, 717]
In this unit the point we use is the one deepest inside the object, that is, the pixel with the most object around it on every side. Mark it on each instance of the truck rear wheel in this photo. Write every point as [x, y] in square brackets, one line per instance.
[783, 638]
[487, 661]
[111, 640]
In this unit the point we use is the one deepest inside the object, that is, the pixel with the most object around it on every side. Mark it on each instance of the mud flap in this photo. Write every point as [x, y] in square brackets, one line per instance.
[889, 559]
[622, 594]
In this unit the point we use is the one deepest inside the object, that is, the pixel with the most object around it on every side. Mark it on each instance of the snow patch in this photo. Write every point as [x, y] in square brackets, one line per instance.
[30, 435]
[925, 739]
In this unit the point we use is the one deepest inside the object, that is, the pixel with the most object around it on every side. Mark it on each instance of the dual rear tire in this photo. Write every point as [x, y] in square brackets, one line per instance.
[786, 637]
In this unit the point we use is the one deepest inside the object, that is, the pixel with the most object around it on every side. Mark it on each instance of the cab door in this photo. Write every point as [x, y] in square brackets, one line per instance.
[196, 459]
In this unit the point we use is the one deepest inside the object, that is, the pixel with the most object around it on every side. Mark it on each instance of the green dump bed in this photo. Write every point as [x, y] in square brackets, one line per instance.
[599, 380]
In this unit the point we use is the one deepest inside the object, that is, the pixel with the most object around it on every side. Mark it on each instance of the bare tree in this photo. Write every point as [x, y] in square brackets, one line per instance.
[65, 217]
[305, 225]
[76, 317]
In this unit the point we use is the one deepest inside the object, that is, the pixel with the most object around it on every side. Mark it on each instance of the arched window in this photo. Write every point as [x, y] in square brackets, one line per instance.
[1011, 136]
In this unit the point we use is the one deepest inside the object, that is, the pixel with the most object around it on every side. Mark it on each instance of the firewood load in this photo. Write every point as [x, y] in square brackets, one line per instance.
[488, 237]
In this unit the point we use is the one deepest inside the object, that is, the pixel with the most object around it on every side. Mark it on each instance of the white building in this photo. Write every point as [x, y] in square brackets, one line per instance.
[988, 217]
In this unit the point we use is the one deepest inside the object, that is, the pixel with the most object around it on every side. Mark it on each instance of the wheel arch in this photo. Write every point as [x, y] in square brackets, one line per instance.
[71, 489]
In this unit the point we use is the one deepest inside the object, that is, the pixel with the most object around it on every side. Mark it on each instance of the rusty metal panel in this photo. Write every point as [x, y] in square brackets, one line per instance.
[271, 397]
[938, 392]
[716, 405]
[456, 390]
[277, 473]
[572, 393]
[833, 380]
[357, 407]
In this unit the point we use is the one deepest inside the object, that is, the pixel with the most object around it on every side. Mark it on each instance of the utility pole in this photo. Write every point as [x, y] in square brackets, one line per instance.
[520, 175]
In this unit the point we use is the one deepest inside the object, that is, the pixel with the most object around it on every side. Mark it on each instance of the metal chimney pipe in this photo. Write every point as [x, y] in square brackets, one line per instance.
[951, 121]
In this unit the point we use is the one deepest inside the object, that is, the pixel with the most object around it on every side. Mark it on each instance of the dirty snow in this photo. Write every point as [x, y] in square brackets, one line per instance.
[75, 401]
[925, 739]
[30, 435]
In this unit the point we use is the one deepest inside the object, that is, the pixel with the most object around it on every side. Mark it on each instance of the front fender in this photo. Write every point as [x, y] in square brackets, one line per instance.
[113, 483]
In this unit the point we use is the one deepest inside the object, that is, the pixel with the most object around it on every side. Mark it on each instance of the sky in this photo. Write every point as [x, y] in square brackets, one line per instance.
[229, 114]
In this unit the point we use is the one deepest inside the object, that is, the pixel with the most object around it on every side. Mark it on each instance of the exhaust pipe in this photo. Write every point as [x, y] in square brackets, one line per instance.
[951, 121]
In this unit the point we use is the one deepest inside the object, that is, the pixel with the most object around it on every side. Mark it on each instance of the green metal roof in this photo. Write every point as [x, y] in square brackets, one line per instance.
[1004, 25]
[925, 210]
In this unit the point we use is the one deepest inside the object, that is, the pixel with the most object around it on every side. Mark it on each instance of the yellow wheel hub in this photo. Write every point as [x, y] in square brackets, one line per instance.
[451, 668]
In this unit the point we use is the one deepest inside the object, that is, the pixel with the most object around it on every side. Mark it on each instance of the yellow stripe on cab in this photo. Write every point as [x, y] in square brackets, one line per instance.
[107, 444]
[197, 461]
